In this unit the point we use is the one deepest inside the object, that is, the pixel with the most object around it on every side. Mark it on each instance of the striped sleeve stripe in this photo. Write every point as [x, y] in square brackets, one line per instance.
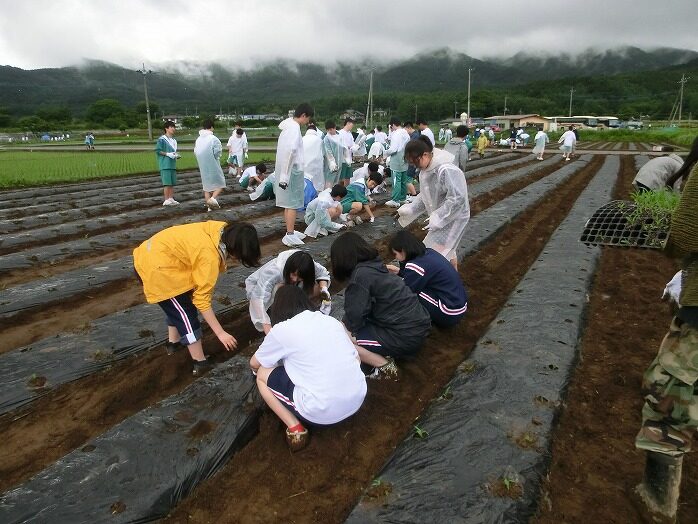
[368, 343]
[449, 311]
[429, 299]
[414, 267]
[282, 398]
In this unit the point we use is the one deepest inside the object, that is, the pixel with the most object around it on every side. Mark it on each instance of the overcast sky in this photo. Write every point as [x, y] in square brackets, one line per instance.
[239, 33]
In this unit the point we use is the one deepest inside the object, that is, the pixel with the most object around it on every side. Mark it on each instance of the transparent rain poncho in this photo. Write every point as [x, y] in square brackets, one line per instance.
[444, 198]
[317, 217]
[268, 181]
[313, 157]
[261, 286]
[289, 166]
[333, 154]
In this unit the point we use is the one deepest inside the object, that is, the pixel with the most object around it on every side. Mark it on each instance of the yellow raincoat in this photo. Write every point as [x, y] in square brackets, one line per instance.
[180, 259]
[482, 143]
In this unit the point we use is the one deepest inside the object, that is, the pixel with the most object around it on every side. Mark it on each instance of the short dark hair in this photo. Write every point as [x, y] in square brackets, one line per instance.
[387, 173]
[421, 121]
[303, 109]
[417, 147]
[379, 128]
[168, 123]
[571, 128]
[338, 190]
[405, 241]
[301, 263]
[207, 124]
[239, 131]
[348, 120]
[348, 250]
[312, 126]
[261, 167]
[373, 167]
[408, 124]
[395, 121]
[330, 125]
[376, 177]
[288, 302]
[241, 241]
[462, 131]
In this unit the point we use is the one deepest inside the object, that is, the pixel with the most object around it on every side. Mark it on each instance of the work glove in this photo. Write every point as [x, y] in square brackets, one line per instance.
[372, 220]
[325, 294]
[333, 166]
[326, 307]
[173, 156]
[246, 155]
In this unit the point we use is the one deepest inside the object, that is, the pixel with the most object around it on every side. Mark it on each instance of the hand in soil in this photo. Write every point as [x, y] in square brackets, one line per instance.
[228, 341]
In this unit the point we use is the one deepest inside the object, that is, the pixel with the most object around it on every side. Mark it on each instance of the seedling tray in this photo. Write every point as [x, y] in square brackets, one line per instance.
[618, 224]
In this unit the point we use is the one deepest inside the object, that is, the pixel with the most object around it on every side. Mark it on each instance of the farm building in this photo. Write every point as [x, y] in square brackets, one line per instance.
[509, 121]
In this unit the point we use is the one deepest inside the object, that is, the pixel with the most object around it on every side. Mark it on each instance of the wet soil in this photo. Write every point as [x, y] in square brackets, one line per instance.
[264, 482]
[68, 417]
[595, 466]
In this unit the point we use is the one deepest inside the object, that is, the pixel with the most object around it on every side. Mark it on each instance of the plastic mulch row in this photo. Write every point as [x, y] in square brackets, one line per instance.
[106, 242]
[142, 467]
[479, 171]
[488, 440]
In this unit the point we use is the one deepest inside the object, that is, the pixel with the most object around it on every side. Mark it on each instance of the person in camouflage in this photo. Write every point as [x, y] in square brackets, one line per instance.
[670, 384]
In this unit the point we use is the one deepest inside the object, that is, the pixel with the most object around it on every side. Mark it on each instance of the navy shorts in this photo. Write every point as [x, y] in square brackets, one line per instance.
[367, 339]
[182, 314]
[281, 386]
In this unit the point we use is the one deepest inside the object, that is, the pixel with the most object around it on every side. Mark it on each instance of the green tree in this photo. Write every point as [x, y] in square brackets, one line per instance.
[104, 109]
[141, 109]
[32, 123]
[55, 114]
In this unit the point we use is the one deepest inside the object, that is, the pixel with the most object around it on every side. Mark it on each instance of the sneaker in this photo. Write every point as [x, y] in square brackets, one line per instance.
[297, 440]
[172, 347]
[392, 203]
[169, 202]
[387, 371]
[358, 220]
[299, 235]
[201, 366]
[173, 202]
[291, 240]
[212, 203]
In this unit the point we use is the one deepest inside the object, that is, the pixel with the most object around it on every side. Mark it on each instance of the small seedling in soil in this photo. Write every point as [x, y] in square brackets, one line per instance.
[117, 507]
[446, 395]
[145, 333]
[225, 300]
[420, 433]
[379, 489]
[526, 440]
[467, 367]
[507, 486]
[36, 381]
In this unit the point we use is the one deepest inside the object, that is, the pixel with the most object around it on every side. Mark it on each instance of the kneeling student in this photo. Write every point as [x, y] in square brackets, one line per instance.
[253, 176]
[382, 313]
[433, 278]
[289, 267]
[306, 378]
[321, 212]
[356, 200]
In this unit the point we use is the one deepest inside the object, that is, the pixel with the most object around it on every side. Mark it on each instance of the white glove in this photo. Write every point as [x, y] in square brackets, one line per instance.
[173, 156]
[246, 155]
[372, 220]
[326, 307]
[333, 166]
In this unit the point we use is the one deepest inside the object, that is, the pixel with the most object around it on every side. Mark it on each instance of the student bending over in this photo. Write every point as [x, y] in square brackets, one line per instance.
[306, 378]
[385, 317]
[179, 267]
[427, 273]
[289, 267]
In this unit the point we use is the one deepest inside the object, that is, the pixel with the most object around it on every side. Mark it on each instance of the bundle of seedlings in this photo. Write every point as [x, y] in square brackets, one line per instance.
[641, 222]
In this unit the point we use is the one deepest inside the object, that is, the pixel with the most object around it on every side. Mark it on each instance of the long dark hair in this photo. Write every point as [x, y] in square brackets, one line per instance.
[301, 263]
[288, 302]
[405, 241]
[417, 147]
[241, 241]
[348, 250]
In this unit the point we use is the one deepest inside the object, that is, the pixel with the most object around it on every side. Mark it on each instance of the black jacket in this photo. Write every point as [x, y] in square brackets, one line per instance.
[374, 295]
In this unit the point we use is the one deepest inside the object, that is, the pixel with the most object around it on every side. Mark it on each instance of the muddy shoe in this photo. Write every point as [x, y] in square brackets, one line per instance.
[297, 440]
[172, 347]
[387, 371]
[201, 367]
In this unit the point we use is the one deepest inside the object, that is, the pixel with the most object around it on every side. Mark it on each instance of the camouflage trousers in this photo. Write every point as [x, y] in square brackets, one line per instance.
[670, 389]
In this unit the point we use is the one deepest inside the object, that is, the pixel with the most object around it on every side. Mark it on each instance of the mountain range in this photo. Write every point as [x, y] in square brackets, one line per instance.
[280, 84]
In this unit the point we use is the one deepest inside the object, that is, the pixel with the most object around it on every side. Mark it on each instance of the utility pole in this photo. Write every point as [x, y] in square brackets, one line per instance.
[369, 106]
[505, 105]
[683, 81]
[468, 110]
[145, 73]
[571, 93]
[455, 110]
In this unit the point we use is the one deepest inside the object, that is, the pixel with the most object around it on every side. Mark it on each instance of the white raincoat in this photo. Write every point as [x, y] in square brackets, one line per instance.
[377, 150]
[317, 217]
[313, 156]
[333, 154]
[540, 139]
[347, 140]
[289, 166]
[208, 150]
[259, 190]
[360, 143]
[261, 286]
[444, 198]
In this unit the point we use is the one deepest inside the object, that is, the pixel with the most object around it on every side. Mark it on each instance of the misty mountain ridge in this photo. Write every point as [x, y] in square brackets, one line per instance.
[281, 82]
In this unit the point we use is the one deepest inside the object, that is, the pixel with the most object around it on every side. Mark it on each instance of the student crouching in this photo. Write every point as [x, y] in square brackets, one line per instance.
[305, 378]
[433, 278]
[384, 316]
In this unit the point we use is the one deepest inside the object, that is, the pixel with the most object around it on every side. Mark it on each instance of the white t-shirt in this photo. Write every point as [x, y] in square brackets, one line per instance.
[247, 173]
[429, 133]
[381, 137]
[321, 361]
[237, 144]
